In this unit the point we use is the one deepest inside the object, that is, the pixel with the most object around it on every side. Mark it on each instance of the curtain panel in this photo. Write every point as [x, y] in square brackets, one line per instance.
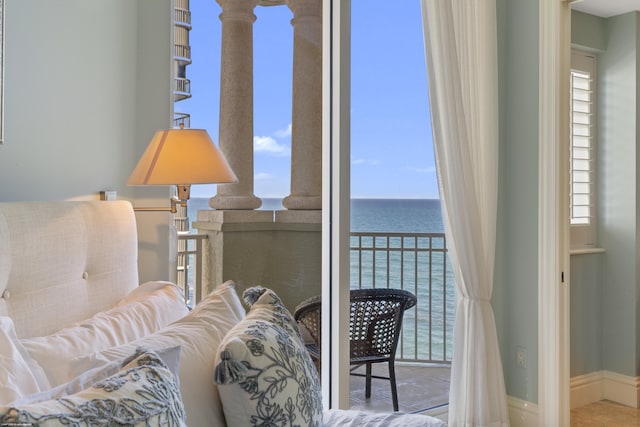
[462, 67]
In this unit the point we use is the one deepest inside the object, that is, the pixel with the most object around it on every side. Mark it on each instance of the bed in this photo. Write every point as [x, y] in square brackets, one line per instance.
[83, 343]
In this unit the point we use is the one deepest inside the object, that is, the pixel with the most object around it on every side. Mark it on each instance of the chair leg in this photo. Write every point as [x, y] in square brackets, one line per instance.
[392, 379]
[367, 388]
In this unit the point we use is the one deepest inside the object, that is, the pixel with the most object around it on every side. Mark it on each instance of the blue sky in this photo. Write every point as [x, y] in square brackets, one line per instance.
[391, 150]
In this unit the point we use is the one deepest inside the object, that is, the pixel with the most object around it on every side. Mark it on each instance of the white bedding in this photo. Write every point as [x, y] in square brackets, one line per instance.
[348, 418]
[142, 312]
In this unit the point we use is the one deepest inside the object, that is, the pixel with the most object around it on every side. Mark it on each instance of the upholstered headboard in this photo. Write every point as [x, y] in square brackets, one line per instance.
[61, 262]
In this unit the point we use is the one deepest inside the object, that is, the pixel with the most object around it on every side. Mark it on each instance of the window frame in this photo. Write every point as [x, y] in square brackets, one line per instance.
[584, 236]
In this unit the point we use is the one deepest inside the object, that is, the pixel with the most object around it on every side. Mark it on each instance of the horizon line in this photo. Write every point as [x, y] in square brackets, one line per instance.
[352, 198]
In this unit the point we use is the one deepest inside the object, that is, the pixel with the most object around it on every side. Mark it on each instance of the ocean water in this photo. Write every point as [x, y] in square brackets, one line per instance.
[427, 329]
[376, 215]
[396, 215]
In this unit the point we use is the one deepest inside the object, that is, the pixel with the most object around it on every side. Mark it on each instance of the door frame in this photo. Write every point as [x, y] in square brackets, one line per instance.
[553, 224]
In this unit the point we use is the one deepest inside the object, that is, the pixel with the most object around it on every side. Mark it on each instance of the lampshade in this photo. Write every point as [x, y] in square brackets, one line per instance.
[182, 157]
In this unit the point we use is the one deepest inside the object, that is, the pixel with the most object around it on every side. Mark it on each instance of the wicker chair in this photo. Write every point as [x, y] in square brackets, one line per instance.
[374, 328]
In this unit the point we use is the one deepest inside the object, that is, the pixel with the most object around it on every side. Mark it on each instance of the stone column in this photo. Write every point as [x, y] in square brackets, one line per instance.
[236, 104]
[306, 132]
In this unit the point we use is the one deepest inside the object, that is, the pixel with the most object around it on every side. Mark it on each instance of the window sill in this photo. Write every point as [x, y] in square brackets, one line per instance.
[585, 251]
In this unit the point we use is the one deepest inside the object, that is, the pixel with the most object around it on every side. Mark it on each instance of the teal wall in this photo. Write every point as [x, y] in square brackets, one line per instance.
[604, 287]
[618, 231]
[587, 32]
[516, 281]
[586, 314]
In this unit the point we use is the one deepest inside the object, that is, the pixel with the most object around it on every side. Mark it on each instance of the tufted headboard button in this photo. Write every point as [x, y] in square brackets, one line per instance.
[6, 295]
[85, 275]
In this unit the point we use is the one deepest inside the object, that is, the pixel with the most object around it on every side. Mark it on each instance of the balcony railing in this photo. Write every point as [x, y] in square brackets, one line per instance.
[182, 89]
[181, 119]
[182, 53]
[182, 14]
[416, 262]
[190, 266]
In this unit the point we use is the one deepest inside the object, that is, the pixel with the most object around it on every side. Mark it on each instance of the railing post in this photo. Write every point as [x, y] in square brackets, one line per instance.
[197, 264]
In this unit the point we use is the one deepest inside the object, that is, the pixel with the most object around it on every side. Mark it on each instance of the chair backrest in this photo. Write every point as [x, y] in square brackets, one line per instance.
[307, 315]
[376, 320]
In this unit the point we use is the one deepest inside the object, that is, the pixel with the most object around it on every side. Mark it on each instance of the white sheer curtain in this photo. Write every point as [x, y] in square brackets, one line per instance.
[461, 50]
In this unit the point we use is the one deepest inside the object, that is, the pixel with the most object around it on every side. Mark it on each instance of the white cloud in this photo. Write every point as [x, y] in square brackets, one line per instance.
[267, 144]
[262, 176]
[283, 133]
[368, 162]
[430, 169]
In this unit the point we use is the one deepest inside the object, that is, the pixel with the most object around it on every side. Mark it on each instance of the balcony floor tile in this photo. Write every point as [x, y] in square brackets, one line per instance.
[420, 387]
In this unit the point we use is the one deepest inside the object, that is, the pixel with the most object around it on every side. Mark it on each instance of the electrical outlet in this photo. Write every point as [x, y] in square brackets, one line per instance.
[521, 357]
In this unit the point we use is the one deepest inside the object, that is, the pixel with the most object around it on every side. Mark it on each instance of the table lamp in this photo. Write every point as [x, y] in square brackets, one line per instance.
[181, 157]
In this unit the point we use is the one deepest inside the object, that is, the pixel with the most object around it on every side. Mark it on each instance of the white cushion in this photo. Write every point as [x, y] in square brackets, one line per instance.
[142, 393]
[198, 334]
[263, 370]
[147, 309]
[18, 376]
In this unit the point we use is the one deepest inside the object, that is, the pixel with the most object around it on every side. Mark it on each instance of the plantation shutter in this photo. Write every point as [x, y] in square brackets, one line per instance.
[582, 151]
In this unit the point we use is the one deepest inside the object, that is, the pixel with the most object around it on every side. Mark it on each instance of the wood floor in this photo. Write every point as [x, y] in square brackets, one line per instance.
[605, 414]
[426, 389]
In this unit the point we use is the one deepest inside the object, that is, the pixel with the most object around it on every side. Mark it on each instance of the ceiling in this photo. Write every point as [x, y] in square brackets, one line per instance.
[606, 8]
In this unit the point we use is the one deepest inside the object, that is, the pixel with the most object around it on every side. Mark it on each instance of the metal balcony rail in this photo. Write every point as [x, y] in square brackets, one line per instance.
[182, 16]
[182, 88]
[416, 262]
[182, 53]
[190, 266]
[181, 119]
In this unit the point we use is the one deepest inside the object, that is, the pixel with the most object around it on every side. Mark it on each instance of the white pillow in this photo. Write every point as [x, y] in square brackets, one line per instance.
[170, 357]
[148, 289]
[18, 377]
[198, 334]
[145, 310]
[143, 393]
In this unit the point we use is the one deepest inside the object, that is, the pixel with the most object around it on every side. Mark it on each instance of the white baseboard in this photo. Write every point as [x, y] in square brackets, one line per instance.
[607, 385]
[522, 413]
[621, 388]
[586, 389]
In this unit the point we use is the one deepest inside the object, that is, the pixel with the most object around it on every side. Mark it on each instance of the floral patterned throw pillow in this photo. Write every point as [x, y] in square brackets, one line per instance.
[263, 370]
[143, 393]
